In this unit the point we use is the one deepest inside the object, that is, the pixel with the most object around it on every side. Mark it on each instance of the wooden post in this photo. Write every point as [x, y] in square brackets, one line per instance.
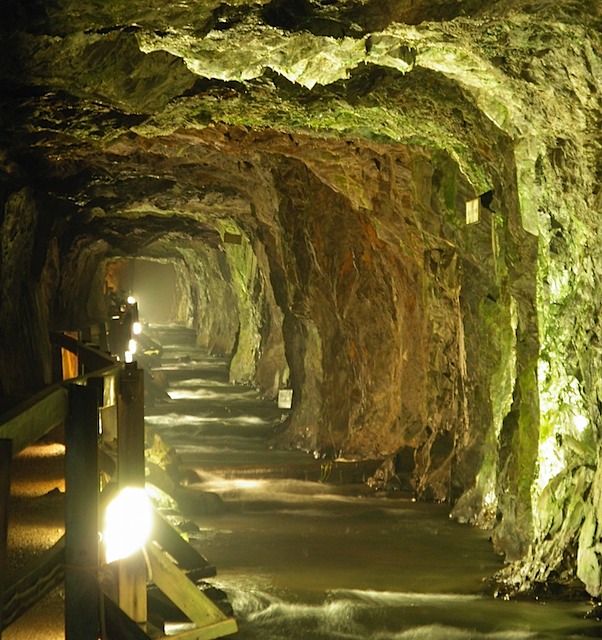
[103, 337]
[130, 438]
[6, 455]
[82, 592]
[108, 409]
[130, 467]
[57, 363]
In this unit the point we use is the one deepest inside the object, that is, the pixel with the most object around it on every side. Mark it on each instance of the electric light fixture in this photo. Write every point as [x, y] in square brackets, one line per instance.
[128, 524]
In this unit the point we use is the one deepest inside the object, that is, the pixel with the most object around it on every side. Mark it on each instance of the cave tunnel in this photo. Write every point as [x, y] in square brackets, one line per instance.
[391, 208]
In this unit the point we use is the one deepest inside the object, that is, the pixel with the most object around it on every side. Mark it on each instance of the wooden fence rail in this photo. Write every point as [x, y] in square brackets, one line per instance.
[106, 402]
[44, 575]
[34, 418]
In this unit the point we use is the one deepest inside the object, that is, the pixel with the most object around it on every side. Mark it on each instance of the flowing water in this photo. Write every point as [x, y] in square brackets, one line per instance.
[306, 560]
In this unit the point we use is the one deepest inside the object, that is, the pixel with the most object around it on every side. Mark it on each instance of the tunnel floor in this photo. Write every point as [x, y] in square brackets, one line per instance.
[314, 560]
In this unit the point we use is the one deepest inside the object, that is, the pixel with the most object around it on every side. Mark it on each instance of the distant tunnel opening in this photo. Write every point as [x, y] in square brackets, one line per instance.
[152, 283]
[154, 286]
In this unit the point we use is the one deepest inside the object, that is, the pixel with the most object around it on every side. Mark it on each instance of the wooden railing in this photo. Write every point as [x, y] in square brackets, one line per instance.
[105, 404]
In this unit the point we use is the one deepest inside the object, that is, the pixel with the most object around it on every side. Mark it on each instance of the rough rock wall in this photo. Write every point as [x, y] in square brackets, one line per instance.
[27, 286]
[365, 267]
[213, 303]
[566, 170]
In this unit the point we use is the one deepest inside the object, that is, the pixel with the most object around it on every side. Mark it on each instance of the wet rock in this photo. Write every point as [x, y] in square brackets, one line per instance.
[595, 613]
[195, 502]
[385, 478]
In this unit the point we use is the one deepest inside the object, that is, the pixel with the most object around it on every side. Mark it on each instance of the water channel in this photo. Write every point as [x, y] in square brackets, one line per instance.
[307, 560]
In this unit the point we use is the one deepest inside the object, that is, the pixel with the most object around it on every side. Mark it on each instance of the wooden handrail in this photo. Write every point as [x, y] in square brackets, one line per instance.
[35, 417]
[77, 403]
[39, 579]
[91, 357]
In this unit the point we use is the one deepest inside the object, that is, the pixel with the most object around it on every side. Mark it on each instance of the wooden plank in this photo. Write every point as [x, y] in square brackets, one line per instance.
[38, 579]
[131, 473]
[109, 409]
[109, 423]
[69, 364]
[103, 336]
[82, 593]
[130, 434]
[184, 593]
[218, 630]
[132, 588]
[118, 626]
[29, 421]
[6, 454]
[92, 358]
[182, 552]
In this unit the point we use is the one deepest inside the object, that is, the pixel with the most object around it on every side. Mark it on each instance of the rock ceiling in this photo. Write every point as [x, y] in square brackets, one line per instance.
[82, 76]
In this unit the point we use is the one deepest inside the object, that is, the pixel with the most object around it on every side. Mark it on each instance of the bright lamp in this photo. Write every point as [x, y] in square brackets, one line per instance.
[128, 523]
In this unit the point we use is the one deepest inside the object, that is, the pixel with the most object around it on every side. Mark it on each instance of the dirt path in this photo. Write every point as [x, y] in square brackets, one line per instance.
[36, 522]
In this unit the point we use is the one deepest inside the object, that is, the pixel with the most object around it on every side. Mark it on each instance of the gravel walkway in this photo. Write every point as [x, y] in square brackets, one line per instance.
[36, 522]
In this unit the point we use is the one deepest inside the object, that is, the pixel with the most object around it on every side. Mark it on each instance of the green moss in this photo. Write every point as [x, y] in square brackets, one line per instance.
[498, 328]
[528, 432]
[243, 269]
[450, 190]
[500, 322]
[267, 109]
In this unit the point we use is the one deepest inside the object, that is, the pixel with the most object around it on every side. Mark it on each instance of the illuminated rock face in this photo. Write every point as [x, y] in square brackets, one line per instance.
[306, 168]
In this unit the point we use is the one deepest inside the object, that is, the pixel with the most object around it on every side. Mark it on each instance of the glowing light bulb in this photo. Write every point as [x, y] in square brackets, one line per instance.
[128, 523]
